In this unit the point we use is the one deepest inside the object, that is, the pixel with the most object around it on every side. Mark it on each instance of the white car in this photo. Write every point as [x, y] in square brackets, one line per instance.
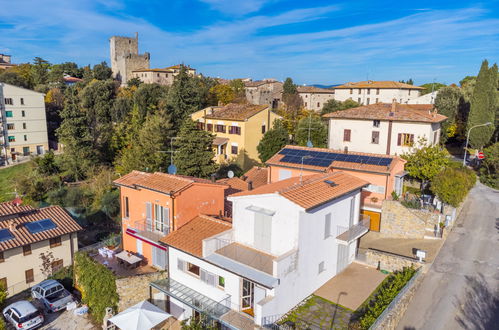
[23, 315]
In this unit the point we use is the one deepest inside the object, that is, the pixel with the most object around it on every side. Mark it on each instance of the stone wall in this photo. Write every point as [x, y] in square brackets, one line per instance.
[390, 261]
[392, 315]
[134, 289]
[397, 221]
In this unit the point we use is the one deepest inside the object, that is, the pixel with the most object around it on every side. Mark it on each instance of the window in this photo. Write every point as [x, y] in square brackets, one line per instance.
[25, 137]
[12, 149]
[321, 267]
[359, 91]
[24, 125]
[358, 100]
[23, 113]
[306, 104]
[400, 101]
[375, 137]
[368, 100]
[201, 125]
[54, 242]
[8, 114]
[234, 150]
[209, 127]
[57, 265]
[377, 100]
[27, 250]
[127, 210]
[405, 139]
[235, 130]
[193, 269]
[435, 137]
[29, 275]
[161, 217]
[2, 258]
[351, 90]
[26, 151]
[409, 92]
[12, 138]
[376, 123]
[346, 135]
[264, 128]
[377, 91]
[368, 91]
[9, 101]
[22, 100]
[318, 104]
[220, 128]
[221, 281]
[10, 126]
[327, 226]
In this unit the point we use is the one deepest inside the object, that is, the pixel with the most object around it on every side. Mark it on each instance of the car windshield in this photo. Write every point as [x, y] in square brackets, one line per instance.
[29, 317]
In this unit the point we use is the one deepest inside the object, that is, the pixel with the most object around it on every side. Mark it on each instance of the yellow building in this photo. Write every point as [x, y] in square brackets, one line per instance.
[238, 129]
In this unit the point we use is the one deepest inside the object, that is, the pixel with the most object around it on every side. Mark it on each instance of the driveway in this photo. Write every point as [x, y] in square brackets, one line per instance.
[461, 289]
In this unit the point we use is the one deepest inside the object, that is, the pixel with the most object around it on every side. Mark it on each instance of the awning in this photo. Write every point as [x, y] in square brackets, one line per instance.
[218, 141]
[143, 315]
[137, 235]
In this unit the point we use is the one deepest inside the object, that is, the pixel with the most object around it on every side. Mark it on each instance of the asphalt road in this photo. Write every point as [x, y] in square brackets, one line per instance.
[461, 289]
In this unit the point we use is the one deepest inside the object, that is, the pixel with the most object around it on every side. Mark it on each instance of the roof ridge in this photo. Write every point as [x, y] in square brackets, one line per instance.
[172, 176]
[207, 217]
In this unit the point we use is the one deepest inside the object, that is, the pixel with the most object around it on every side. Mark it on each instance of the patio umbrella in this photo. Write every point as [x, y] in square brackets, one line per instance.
[143, 315]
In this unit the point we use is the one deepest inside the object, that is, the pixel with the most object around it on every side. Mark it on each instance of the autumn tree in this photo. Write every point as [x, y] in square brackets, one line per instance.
[272, 141]
[424, 161]
[224, 93]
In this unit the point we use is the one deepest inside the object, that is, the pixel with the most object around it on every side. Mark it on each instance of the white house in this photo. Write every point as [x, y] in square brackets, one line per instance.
[370, 92]
[286, 240]
[384, 128]
[424, 99]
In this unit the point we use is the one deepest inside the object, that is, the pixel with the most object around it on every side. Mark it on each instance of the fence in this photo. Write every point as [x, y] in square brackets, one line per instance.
[99, 245]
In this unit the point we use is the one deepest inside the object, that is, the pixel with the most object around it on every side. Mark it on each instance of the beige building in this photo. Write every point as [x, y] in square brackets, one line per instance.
[23, 125]
[370, 92]
[125, 57]
[160, 76]
[5, 61]
[384, 128]
[264, 92]
[27, 234]
[314, 98]
[238, 129]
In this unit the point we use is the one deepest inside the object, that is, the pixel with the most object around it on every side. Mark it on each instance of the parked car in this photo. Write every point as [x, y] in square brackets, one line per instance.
[23, 315]
[52, 294]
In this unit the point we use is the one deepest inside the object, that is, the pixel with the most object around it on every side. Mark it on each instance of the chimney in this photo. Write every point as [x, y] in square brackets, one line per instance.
[250, 185]
[346, 150]
[12, 226]
[394, 105]
[213, 178]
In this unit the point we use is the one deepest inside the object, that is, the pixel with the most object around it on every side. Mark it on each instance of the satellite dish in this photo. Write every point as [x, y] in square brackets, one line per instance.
[230, 174]
[172, 169]
[310, 144]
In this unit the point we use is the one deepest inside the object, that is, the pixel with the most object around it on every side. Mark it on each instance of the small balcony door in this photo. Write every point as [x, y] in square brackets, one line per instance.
[248, 297]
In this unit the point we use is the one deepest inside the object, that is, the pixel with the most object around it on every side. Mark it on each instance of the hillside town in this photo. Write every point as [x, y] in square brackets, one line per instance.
[134, 197]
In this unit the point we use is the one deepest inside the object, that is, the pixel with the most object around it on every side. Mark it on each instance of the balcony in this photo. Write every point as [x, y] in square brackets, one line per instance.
[147, 231]
[347, 235]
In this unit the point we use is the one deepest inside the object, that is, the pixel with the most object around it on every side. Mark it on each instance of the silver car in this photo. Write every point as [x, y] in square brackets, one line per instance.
[23, 315]
[52, 294]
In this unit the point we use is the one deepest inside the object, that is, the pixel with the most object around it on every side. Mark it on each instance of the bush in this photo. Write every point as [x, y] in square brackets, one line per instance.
[489, 169]
[3, 295]
[384, 295]
[97, 285]
[452, 184]
[3, 326]
[65, 276]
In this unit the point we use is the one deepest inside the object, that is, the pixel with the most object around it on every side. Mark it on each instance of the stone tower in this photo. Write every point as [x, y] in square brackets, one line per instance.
[125, 57]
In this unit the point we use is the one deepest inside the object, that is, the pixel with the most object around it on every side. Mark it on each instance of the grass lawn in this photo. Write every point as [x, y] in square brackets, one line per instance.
[7, 179]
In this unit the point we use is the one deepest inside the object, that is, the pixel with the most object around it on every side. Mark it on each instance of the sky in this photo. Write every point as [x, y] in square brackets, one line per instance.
[313, 42]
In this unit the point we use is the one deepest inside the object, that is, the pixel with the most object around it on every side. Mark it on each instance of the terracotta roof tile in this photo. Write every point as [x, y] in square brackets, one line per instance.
[313, 89]
[9, 208]
[257, 175]
[234, 111]
[65, 224]
[260, 83]
[377, 84]
[388, 111]
[314, 190]
[189, 238]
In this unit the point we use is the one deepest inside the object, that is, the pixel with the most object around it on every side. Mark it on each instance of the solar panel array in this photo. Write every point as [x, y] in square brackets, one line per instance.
[324, 159]
[40, 225]
[5, 235]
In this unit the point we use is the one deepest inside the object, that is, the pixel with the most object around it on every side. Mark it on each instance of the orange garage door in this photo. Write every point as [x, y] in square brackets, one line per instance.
[375, 219]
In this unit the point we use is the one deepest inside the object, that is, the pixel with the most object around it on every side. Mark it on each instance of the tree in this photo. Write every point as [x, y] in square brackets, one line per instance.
[425, 161]
[312, 128]
[489, 169]
[408, 82]
[102, 71]
[431, 87]
[223, 93]
[12, 78]
[451, 185]
[237, 86]
[273, 140]
[149, 98]
[289, 87]
[467, 80]
[46, 164]
[447, 103]
[135, 81]
[39, 71]
[110, 203]
[3, 294]
[334, 105]
[193, 151]
[484, 103]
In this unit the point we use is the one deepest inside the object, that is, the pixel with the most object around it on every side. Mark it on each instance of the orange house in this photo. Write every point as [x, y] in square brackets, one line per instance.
[384, 172]
[154, 204]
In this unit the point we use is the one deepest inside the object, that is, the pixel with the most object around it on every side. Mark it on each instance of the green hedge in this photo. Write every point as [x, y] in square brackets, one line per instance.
[65, 277]
[97, 285]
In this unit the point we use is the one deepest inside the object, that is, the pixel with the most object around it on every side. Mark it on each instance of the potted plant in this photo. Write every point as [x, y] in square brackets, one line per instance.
[441, 225]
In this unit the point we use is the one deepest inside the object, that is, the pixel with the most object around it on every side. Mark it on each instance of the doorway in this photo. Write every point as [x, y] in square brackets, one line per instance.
[248, 297]
[342, 261]
[375, 217]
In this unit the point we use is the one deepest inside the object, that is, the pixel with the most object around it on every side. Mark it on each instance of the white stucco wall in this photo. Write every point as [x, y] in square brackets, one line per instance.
[386, 95]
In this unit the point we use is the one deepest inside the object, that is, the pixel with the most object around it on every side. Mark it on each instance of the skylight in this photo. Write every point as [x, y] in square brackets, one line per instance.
[40, 225]
[5, 235]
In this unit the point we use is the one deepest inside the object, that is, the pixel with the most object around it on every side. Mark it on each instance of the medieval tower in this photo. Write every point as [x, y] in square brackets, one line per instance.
[125, 57]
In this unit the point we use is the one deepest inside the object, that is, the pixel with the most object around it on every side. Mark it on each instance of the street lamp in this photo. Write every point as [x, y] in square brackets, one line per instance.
[468, 138]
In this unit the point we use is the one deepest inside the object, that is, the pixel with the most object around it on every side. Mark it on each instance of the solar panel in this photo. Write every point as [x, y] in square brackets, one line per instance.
[5, 235]
[40, 225]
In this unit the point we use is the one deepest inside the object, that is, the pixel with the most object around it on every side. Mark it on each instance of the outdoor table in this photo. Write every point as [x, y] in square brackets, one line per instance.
[129, 258]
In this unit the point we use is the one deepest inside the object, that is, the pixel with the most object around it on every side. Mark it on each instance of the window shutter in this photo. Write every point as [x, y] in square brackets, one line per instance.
[412, 139]
[399, 139]
[327, 227]
[202, 275]
[210, 279]
[148, 216]
[180, 264]
[166, 219]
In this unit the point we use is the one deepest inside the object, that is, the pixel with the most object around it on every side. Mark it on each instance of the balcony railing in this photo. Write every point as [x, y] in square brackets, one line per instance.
[359, 229]
[149, 231]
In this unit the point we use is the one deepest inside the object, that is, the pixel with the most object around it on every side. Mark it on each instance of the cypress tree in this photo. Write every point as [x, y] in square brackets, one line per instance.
[273, 141]
[447, 103]
[483, 106]
[193, 151]
[183, 97]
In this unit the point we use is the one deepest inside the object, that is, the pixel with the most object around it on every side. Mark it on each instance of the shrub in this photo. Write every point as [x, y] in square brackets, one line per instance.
[452, 184]
[3, 295]
[65, 277]
[489, 169]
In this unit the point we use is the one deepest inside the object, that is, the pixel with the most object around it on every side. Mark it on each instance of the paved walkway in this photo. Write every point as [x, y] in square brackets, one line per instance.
[352, 286]
[460, 291]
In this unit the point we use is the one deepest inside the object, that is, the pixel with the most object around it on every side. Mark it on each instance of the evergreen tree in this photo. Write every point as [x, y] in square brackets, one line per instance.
[333, 106]
[149, 98]
[12, 78]
[183, 97]
[311, 127]
[102, 71]
[193, 151]
[75, 135]
[273, 141]
[484, 103]
[40, 71]
[447, 103]
[289, 87]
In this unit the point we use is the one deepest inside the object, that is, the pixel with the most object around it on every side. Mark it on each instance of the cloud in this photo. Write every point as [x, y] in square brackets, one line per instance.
[238, 8]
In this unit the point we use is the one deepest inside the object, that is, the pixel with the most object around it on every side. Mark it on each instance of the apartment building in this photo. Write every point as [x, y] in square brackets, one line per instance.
[314, 98]
[286, 240]
[238, 129]
[384, 128]
[385, 174]
[25, 235]
[370, 92]
[154, 204]
[264, 92]
[164, 76]
[23, 125]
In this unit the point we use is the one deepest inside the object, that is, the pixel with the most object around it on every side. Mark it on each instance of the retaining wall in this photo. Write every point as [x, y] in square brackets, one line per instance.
[134, 289]
[390, 261]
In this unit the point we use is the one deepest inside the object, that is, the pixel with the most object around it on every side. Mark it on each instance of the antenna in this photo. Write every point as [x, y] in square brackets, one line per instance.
[230, 174]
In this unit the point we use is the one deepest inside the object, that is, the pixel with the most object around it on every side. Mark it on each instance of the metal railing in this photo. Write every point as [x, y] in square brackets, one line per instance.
[355, 231]
[150, 233]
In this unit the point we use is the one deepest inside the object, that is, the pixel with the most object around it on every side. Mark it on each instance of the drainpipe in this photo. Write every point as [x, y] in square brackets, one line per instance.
[72, 248]
[389, 142]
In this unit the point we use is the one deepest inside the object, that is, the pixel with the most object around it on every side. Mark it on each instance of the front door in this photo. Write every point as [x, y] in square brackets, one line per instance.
[375, 219]
[342, 260]
[247, 297]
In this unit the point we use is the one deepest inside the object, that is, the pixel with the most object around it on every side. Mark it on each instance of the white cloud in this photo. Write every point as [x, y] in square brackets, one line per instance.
[235, 7]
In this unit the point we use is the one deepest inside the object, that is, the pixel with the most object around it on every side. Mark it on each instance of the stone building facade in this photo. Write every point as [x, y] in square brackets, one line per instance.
[125, 57]
[314, 98]
[160, 76]
[264, 92]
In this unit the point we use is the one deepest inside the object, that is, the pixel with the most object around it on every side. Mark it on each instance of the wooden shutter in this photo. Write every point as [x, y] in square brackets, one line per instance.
[166, 219]
[29, 276]
[346, 135]
[399, 139]
[148, 216]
